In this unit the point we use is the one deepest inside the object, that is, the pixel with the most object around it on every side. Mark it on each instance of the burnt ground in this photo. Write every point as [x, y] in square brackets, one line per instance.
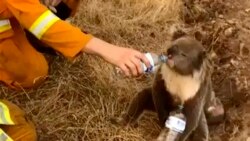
[228, 36]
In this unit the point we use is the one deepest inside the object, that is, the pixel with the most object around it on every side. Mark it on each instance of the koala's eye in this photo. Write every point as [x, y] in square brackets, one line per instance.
[183, 54]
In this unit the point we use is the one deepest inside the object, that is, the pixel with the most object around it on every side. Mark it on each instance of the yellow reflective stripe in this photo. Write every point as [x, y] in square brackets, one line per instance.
[4, 25]
[4, 136]
[43, 23]
[5, 115]
[5, 28]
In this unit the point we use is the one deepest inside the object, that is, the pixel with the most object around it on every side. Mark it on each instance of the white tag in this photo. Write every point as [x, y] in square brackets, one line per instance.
[175, 124]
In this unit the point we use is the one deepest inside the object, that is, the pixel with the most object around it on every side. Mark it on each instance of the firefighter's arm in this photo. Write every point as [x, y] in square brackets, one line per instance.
[41, 22]
[69, 40]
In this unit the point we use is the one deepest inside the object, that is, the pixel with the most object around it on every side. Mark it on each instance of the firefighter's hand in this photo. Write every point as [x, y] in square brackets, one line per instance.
[51, 4]
[128, 60]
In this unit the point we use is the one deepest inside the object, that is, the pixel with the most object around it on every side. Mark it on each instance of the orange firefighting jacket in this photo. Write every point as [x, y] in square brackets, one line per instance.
[5, 119]
[14, 124]
[42, 23]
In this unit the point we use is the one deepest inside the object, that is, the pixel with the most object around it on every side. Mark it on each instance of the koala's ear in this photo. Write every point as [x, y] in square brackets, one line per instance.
[198, 61]
[178, 34]
[203, 55]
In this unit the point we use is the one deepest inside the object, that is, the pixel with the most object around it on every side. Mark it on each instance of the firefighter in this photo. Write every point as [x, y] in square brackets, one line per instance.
[23, 66]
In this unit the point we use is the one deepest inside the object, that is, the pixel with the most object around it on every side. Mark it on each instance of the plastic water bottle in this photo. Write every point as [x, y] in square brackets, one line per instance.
[154, 60]
[176, 124]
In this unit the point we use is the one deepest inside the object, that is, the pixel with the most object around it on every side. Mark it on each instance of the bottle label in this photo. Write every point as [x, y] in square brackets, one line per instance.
[176, 124]
[151, 61]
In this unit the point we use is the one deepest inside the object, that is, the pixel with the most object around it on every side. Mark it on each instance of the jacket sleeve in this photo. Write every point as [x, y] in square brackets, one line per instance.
[47, 27]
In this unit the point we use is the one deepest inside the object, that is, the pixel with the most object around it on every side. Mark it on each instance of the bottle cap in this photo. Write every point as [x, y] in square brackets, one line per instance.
[163, 58]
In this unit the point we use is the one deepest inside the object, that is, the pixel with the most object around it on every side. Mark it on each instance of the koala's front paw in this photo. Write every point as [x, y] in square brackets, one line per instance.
[215, 113]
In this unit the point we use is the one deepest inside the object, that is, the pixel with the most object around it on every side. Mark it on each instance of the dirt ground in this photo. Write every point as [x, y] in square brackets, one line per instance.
[78, 99]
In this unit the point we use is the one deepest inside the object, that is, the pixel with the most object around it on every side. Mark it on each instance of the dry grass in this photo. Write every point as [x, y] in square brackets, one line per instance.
[78, 99]
[132, 23]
